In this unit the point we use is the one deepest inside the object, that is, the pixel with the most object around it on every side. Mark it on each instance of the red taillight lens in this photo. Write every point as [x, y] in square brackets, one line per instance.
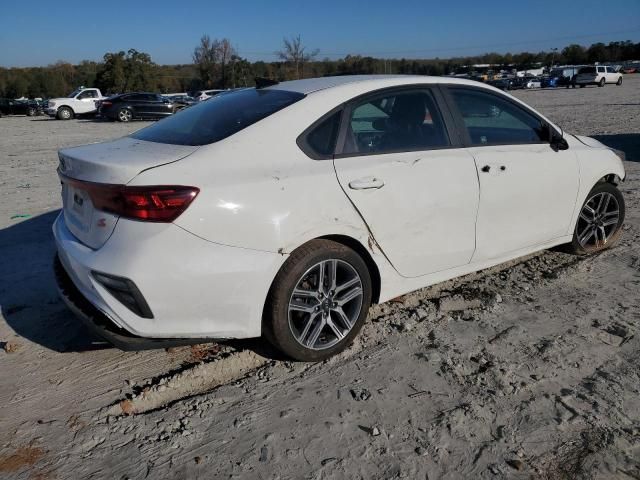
[106, 104]
[152, 204]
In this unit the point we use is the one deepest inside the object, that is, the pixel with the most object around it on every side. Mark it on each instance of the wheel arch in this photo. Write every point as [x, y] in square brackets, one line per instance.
[356, 246]
[66, 106]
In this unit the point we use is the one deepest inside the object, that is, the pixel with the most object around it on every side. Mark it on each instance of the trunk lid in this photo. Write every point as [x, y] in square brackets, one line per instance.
[116, 162]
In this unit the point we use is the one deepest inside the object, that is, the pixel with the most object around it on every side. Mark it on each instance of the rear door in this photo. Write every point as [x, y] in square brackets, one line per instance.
[405, 172]
[527, 190]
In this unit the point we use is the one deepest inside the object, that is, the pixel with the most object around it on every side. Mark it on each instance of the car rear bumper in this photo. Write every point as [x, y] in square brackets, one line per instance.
[194, 288]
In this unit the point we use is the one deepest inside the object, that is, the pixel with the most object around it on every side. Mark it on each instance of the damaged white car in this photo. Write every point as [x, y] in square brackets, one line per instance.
[288, 209]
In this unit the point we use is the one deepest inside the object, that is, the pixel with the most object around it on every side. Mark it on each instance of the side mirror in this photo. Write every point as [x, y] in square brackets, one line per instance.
[556, 140]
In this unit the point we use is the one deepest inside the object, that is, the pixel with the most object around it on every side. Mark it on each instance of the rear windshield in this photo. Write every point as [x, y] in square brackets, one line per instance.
[218, 118]
[587, 70]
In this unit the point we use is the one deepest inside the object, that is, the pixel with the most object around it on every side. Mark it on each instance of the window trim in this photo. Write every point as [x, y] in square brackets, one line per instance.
[433, 88]
[462, 128]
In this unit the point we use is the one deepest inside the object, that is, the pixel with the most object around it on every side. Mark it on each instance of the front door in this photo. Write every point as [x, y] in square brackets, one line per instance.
[527, 190]
[416, 190]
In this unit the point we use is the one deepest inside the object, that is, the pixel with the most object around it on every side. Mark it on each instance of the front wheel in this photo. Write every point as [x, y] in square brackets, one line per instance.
[32, 112]
[600, 221]
[65, 113]
[318, 301]
[619, 82]
[582, 85]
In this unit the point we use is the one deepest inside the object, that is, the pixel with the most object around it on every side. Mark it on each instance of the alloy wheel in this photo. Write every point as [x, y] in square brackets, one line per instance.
[124, 115]
[325, 304]
[598, 220]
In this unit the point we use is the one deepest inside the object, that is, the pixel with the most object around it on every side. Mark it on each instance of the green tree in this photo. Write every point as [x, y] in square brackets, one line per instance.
[597, 53]
[574, 54]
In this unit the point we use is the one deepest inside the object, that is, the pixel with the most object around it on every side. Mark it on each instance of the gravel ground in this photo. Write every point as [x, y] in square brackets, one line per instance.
[529, 370]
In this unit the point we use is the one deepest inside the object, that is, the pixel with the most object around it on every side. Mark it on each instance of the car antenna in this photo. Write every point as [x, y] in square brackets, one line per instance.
[262, 82]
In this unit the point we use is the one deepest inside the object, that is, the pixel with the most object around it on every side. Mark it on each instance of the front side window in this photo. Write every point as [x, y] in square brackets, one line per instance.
[87, 94]
[402, 121]
[492, 120]
[219, 117]
[610, 70]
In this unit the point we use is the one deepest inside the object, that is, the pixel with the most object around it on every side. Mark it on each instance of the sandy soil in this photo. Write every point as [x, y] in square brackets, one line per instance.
[530, 370]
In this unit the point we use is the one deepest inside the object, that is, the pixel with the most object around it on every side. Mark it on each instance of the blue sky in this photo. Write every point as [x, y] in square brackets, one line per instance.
[42, 32]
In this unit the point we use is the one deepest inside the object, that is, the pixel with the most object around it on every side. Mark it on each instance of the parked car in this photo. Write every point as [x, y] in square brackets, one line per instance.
[130, 106]
[566, 76]
[502, 83]
[532, 82]
[29, 108]
[183, 100]
[82, 101]
[203, 95]
[287, 210]
[549, 82]
[598, 75]
[518, 83]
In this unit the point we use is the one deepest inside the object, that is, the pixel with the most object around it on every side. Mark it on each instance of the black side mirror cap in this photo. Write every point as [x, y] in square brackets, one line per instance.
[556, 141]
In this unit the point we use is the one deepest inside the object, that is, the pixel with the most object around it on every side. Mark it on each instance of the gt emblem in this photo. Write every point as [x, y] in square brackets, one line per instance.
[102, 222]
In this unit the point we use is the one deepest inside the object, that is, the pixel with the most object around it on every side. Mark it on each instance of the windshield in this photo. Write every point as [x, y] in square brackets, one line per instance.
[218, 118]
[74, 93]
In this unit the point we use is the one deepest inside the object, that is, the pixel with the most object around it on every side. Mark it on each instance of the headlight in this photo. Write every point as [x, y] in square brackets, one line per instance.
[52, 104]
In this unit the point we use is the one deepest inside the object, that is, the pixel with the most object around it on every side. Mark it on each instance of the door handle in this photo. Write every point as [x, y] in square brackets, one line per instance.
[366, 184]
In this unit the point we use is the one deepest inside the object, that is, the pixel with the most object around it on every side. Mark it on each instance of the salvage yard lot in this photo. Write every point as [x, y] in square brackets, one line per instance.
[528, 369]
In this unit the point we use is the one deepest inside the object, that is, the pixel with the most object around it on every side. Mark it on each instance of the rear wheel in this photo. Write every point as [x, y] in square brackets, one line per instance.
[600, 221]
[601, 82]
[65, 113]
[582, 85]
[318, 301]
[124, 115]
[32, 112]
[619, 82]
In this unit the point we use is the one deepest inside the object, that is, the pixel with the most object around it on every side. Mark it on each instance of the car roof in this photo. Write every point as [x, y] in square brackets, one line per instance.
[310, 85]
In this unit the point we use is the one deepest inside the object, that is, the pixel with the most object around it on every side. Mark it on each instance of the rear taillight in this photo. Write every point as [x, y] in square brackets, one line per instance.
[105, 104]
[158, 203]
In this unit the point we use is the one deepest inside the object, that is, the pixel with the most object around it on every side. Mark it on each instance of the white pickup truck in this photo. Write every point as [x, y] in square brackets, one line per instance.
[79, 102]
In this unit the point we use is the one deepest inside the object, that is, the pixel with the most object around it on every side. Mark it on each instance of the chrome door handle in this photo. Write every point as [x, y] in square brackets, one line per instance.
[366, 184]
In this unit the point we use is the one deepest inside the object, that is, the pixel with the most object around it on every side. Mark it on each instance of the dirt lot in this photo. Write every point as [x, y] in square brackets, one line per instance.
[530, 370]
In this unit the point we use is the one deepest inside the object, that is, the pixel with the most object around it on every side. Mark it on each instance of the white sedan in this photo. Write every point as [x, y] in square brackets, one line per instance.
[288, 209]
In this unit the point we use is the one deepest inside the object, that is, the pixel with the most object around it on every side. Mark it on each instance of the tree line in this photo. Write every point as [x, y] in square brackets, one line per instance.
[217, 64]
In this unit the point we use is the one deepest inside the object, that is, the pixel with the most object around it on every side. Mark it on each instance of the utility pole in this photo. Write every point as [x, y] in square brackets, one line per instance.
[553, 56]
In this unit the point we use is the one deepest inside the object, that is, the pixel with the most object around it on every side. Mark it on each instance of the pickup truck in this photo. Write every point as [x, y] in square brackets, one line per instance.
[79, 102]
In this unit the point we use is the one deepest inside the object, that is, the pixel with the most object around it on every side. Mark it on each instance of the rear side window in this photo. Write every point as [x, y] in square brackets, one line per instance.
[492, 120]
[219, 117]
[320, 142]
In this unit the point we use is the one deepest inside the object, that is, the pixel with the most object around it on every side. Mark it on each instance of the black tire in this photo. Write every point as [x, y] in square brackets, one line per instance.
[582, 85]
[64, 113]
[32, 112]
[619, 82]
[601, 82]
[600, 188]
[277, 324]
[125, 115]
